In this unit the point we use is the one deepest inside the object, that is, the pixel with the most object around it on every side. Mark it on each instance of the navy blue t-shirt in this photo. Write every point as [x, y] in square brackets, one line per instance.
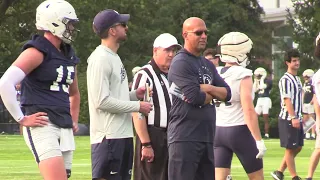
[308, 92]
[192, 121]
[265, 92]
[46, 88]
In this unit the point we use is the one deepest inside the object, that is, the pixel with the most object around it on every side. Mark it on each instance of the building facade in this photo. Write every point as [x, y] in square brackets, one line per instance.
[275, 16]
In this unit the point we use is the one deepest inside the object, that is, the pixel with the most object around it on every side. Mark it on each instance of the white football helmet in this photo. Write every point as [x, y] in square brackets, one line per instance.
[135, 70]
[260, 72]
[235, 47]
[57, 16]
[308, 72]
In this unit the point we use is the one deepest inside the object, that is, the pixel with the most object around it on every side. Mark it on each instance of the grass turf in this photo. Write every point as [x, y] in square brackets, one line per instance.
[17, 163]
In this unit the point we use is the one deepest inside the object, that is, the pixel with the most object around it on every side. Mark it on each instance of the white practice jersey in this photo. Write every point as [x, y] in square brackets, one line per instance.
[219, 68]
[230, 113]
[316, 84]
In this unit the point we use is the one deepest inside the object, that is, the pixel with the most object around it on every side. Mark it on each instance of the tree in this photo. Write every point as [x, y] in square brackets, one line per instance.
[4, 5]
[305, 23]
[17, 21]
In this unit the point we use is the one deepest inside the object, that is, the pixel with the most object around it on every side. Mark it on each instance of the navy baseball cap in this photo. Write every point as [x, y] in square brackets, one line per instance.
[106, 18]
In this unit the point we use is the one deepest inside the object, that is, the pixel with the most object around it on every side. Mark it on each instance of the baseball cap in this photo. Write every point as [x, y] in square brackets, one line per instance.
[166, 40]
[106, 18]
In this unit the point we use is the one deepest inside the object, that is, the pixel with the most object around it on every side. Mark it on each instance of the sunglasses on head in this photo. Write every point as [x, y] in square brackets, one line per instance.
[199, 33]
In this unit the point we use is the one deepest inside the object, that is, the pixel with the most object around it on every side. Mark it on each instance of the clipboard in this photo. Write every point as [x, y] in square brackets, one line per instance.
[308, 125]
[146, 98]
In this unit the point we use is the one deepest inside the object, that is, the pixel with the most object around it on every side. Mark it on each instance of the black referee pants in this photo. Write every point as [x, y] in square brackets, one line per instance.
[158, 169]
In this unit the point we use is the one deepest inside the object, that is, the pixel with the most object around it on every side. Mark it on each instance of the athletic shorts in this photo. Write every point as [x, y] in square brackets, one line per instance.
[238, 140]
[290, 137]
[50, 141]
[308, 109]
[263, 105]
[112, 159]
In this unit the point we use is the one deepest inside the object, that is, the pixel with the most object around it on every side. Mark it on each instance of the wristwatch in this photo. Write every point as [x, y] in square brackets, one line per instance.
[146, 144]
[293, 117]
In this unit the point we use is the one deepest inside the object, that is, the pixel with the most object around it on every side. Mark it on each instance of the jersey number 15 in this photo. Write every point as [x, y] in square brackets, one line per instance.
[57, 86]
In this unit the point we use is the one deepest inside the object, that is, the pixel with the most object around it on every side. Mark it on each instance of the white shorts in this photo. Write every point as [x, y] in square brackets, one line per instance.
[308, 109]
[263, 105]
[50, 141]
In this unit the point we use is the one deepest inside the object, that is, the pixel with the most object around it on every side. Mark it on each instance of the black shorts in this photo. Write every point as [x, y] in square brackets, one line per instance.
[112, 159]
[191, 161]
[238, 140]
[290, 137]
[158, 169]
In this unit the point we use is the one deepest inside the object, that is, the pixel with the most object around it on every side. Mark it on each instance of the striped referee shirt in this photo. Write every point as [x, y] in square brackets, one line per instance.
[161, 98]
[290, 87]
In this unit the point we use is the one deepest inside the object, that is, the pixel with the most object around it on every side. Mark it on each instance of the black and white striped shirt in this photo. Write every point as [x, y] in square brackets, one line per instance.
[290, 87]
[161, 98]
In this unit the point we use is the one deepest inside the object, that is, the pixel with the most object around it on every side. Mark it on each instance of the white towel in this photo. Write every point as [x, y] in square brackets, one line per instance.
[67, 140]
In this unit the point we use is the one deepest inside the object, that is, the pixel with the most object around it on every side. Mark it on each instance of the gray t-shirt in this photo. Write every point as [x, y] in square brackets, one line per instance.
[108, 97]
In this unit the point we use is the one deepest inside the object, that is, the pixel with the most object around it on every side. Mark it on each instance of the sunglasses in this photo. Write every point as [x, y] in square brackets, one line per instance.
[123, 24]
[199, 33]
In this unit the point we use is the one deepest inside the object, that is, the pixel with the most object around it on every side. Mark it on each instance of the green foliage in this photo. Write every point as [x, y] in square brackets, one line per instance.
[84, 108]
[15, 28]
[274, 111]
[148, 20]
[305, 22]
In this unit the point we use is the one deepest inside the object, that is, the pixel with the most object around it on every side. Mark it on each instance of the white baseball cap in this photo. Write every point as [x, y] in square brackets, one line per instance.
[165, 40]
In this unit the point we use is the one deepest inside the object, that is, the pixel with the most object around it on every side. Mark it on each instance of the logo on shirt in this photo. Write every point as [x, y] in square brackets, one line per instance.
[123, 73]
[205, 75]
[307, 88]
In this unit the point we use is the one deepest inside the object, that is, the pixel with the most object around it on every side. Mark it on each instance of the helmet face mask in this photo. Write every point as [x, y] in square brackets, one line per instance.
[71, 32]
[244, 63]
[260, 73]
[306, 78]
[57, 17]
[258, 76]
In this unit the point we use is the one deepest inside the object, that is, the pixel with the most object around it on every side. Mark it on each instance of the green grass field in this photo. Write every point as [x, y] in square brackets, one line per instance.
[17, 163]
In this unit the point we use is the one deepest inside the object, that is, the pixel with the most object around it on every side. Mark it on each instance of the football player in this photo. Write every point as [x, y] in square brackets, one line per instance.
[237, 128]
[262, 87]
[307, 96]
[50, 96]
[314, 159]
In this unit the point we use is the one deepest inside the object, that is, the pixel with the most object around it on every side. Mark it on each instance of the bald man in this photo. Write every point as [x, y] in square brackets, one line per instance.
[194, 82]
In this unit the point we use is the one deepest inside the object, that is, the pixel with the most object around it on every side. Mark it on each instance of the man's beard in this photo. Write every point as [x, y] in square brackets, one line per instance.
[201, 48]
[121, 39]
